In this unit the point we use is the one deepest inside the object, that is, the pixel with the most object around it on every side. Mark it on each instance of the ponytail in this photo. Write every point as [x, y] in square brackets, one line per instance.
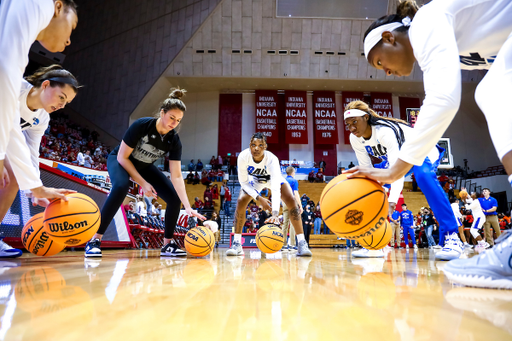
[57, 76]
[374, 119]
[407, 8]
[174, 101]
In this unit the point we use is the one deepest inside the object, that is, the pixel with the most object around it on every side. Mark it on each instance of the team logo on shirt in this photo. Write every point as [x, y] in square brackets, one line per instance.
[354, 217]
[36, 121]
[378, 155]
[145, 152]
[259, 174]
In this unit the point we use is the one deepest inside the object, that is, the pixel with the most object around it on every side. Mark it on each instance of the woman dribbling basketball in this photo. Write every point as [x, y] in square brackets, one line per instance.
[147, 140]
[377, 141]
[258, 169]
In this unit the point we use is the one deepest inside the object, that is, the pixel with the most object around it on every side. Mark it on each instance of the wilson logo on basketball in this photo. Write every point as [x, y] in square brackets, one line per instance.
[65, 226]
[72, 241]
[354, 217]
[40, 243]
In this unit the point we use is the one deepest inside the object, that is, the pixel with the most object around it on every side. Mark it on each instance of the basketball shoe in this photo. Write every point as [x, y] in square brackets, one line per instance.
[172, 250]
[235, 250]
[7, 251]
[93, 248]
[490, 269]
[452, 249]
[482, 246]
[304, 249]
[365, 253]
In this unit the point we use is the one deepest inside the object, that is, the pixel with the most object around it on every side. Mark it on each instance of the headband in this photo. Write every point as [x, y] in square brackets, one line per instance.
[64, 80]
[354, 113]
[375, 35]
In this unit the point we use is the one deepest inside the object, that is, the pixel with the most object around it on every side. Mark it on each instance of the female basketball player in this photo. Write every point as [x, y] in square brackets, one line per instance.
[258, 169]
[377, 142]
[473, 204]
[47, 90]
[21, 23]
[445, 37]
[147, 140]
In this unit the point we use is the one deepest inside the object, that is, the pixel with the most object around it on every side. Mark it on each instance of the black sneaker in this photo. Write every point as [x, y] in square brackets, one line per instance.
[93, 248]
[172, 250]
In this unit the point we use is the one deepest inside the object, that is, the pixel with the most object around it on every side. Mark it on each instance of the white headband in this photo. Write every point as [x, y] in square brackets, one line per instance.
[354, 113]
[375, 35]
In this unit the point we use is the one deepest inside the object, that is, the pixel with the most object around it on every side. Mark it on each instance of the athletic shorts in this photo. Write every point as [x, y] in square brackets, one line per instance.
[478, 223]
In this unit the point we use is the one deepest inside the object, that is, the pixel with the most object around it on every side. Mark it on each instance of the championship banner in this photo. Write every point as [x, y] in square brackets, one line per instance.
[412, 115]
[325, 122]
[347, 97]
[266, 114]
[382, 104]
[296, 117]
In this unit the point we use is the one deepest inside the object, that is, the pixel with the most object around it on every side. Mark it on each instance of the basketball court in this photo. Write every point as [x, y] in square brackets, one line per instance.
[137, 295]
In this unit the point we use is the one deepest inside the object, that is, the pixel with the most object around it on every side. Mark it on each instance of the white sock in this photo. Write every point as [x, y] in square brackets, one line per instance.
[300, 237]
[238, 238]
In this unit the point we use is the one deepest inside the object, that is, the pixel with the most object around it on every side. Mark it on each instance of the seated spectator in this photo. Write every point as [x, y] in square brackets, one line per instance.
[304, 200]
[212, 175]
[262, 216]
[215, 192]
[98, 151]
[219, 161]
[130, 207]
[252, 229]
[248, 224]
[311, 176]
[190, 178]
[320, 175]
[208, 194]
[204, 178]
[220, 175]
[443, 179]
[199, 165]
[198, 204]
[196, 179]
[208, 204]
[191, 166]
[88, 162]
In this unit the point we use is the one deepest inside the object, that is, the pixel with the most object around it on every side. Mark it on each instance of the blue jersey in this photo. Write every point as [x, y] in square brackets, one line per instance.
[407, 218]
[395, 215]
[487, 204]
[294, 184]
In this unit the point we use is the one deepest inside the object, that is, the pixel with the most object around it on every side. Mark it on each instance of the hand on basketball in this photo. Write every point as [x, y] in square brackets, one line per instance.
[43, 202]
[51, 193]
[381, 175]
[273, 220]
[265, 203]
[193, 213]
[148, 190]
[4, 176]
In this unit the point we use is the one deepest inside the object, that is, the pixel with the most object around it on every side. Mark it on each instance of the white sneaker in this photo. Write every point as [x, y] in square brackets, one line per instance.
[437, 247]
[172, 250]
[304, 250]
[235, 250]
[7, 251]
[466, 245]
[482, 245]
[415, 247]
[452, 249]
[365, 253]
[407, 247]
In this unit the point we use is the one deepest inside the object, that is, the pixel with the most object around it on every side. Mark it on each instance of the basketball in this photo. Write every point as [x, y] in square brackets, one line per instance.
[199, 241]
[73, 222]
[269, 239]
[463, 194]
[353, 208]
[36, 240]
[36, 285]
[379, 239]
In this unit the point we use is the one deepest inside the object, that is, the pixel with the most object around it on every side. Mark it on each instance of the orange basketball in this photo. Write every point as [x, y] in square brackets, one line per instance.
[36, 285]
[73, 222]
[378, 239]
[36, 240]
[199, 241]
[270, 239]
[353, 208]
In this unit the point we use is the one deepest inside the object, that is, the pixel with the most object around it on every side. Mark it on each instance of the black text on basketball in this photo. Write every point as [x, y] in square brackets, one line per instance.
[65, 226]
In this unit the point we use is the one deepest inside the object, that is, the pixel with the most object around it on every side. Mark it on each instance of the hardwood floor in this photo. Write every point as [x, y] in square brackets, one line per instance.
[136, 295]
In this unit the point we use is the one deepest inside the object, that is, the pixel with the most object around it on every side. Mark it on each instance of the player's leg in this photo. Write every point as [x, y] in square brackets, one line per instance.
[295, 219]
[241, 205]
[475, 232]
[285, 227]
[120, 185]
[7, 196]
[436, 198]
[487, 231]
[163, 186]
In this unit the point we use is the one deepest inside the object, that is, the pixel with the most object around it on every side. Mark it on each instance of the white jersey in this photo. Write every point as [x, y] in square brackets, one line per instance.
[255, 176]
[382, 151]
[475, 207]
[25, 164]
[20, 24]
[447, 36]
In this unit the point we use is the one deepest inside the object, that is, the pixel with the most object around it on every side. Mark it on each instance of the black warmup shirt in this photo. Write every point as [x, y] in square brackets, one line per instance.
[148, 145]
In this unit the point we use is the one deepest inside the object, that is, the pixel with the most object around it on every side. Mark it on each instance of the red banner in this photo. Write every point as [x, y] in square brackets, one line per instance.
[324, 109]
[382, 104]
[266, 114]
[347, 97]
[296, 117]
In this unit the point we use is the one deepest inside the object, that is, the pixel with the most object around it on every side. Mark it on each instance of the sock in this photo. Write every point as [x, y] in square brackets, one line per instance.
[238, 238]
[300, 237]
[510, 180]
